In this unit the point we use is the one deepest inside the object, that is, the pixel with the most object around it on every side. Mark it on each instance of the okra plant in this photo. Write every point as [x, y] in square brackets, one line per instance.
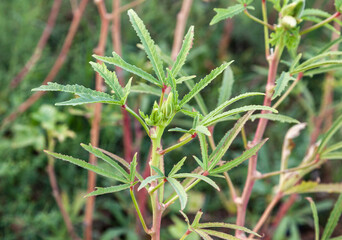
[167, 80]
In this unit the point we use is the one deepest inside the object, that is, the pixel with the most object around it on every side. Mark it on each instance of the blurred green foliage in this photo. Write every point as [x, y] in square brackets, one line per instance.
[29, 210]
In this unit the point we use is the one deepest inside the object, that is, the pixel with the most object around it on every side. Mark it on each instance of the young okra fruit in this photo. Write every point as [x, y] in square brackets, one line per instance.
[125, 175]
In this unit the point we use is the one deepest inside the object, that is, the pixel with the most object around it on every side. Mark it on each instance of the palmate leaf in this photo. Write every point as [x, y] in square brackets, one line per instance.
[237, 161]
[118, 61]
[183, 198]
[101, 191]
[224, 13]
[226, 88]
[203, 83]
[335, 215]
[87, 166]
[110, 78]
[315, 216]
[148, 44]
[281, 84]
[226, 225]
[225, 104]
[275, 117]
[193, 175]
[235, 111]
[105, 158]
[181, 57]
[86, 95]
[227, 140]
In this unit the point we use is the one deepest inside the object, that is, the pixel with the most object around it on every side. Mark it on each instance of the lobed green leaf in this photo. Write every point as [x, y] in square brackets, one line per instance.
[85, 165]
[237, 161]
[105, 158]
[110, 78]
[101, 191]
[203, 83]
[224, 13]
[194, 175]
[118, 61]
[281, 84]
[335, 215]
[235, 111]
[86, 95]
[148, 180]
[181, 57]
[177, 167]
[226, 225]
[226, 88]
[148, 44]
[275, 117]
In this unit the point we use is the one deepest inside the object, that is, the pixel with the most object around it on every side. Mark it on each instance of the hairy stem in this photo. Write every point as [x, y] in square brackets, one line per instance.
[252, 173]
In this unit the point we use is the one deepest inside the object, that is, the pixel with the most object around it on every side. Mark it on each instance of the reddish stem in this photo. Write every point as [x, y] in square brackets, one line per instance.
[241, 213]
[95, 126]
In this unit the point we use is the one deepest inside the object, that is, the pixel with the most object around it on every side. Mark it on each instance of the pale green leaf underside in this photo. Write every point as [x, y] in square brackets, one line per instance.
[101, 191]
[149, 180]
[310, 187]
[86, 95]
[203, 235]
[332, 156]
[183, 198]
[226, 225]
[203, 83]
[193, 175]
[148, 44]
[118, 61]
[86, 165]
[275, 117]
[220, 234]
[235, 111]
[225, 104]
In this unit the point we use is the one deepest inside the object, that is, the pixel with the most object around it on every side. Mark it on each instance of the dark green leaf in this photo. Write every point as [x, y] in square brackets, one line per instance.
[335, 215]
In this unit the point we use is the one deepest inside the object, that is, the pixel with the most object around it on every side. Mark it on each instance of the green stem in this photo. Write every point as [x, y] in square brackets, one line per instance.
[138, 118]
[320, 24]
[156, 158]
[138, 211]
[185, 141]
[258, 20]
[156, 187]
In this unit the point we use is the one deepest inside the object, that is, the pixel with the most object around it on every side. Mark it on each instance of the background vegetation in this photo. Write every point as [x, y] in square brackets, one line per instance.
[28, 209]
